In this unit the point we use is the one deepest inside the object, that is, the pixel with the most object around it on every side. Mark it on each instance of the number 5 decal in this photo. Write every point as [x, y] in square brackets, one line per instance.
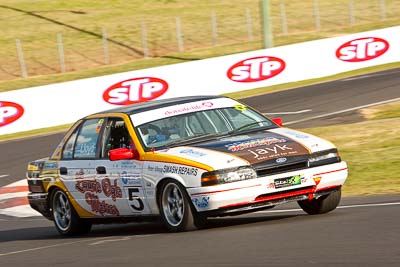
[135, 201]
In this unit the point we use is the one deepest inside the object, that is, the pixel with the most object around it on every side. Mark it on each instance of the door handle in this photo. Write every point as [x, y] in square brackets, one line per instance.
[63, 171]
[101, 170]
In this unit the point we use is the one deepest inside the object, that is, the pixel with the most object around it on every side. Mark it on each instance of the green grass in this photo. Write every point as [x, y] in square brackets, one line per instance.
[387, 111]
[81, 23]
[372, 152]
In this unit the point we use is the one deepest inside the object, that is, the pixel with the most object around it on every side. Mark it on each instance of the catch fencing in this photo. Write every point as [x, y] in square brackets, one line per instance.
[58, 46]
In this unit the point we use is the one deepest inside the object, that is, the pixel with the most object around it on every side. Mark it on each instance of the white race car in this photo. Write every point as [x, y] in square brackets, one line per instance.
[184, 159]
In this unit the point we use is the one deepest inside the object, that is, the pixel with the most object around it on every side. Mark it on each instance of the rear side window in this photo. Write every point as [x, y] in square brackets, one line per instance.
[83, 143]
[68, 151]
[87, 139]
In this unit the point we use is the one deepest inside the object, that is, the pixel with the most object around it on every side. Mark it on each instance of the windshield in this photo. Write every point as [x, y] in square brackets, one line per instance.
[200, 126]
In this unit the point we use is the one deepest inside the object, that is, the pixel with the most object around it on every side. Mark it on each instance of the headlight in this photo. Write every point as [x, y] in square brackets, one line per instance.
[324, 157]
[227, 176]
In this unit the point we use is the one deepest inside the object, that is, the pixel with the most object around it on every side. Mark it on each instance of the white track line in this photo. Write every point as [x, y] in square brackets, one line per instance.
[343, 111]
[340, 207]
[52, 246]
[3, 175]
[289, 112]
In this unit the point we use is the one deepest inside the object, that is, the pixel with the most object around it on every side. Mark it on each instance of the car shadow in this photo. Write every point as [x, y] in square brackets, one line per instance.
[138, 229]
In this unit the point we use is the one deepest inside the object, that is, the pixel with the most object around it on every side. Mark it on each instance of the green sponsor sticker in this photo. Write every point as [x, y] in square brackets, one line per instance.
[288, 181]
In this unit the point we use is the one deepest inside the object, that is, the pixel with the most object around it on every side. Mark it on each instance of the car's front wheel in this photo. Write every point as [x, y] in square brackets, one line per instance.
[321, 205]
[176, 210]
[66, 219]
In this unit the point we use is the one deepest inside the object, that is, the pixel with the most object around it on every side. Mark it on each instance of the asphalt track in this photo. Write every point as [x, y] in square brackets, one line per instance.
[356, 234]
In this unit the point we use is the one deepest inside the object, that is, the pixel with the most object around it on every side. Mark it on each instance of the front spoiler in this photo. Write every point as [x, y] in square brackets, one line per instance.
[269, 201]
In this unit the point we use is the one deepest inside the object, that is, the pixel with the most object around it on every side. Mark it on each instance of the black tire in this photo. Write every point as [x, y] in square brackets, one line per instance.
[176, 209]
[66, 220]
[321, 205]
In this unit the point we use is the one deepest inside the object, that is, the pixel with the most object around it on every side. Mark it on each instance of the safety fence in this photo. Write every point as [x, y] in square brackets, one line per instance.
[37, 42]
[62, 103]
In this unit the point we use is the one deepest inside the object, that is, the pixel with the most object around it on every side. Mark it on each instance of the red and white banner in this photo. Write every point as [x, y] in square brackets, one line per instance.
[62, 103]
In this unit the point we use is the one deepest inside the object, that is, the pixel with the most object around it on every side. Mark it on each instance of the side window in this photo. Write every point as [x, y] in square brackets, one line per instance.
[86, 142]
[115, 135]
[69, 146]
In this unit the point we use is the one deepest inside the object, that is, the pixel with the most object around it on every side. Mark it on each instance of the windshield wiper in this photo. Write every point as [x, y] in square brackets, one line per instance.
[191, 139]
[241, 128]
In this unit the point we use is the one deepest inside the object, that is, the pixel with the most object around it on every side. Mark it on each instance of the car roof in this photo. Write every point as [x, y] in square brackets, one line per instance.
[154, 104]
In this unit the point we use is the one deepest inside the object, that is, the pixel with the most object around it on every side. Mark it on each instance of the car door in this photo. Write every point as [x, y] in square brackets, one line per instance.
[122, 179]
[77, 165]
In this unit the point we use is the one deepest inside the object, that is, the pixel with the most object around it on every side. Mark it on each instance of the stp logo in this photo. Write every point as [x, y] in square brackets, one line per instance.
[135, 91]
[362, 49]
[256, 69]
[9, 112]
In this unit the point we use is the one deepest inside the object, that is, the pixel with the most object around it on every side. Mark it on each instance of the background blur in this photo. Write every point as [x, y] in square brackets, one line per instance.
[50, 37]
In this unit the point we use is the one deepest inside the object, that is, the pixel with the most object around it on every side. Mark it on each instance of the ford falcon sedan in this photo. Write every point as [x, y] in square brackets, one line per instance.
[182, 160]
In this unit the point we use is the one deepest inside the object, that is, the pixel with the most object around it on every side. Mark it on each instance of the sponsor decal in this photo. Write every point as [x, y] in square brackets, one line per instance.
[182, 170]
[362, 49]
[99, 124]
[84, 186]
[10, 112]
[101, 207]
[281, 160]
[188, 108]
[130, 178]
[263, 146]
[238, 146]
[256, 69]
[128, 164]
[80, 174]
[50, 165]
[296, 134]
[112, 191]
[91, 189]
[240, 107]
[288, 181]
[135, 91]
[201, 202]
[193, 153]
[272, 152]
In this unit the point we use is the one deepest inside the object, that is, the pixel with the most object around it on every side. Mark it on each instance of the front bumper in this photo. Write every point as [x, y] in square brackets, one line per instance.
[40, 203]
[261, 193]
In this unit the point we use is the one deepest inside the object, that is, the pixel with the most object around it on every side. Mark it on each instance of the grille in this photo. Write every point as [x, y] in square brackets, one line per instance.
[263, 171]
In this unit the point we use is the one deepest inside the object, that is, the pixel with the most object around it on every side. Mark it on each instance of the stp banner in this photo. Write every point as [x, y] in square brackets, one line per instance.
[62, 103]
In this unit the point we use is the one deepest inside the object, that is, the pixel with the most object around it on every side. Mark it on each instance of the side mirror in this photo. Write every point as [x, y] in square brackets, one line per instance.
[278, 121]
[123, 153]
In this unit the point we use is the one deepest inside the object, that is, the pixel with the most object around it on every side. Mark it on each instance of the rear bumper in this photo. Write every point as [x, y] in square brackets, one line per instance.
[40, 203]
[261, 193]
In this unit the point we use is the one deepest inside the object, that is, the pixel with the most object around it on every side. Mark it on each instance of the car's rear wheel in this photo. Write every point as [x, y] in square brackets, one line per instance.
[177, 212]
[66, 219]
[321, 205]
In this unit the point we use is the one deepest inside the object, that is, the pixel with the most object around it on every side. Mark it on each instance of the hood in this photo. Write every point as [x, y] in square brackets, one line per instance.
[272, 147]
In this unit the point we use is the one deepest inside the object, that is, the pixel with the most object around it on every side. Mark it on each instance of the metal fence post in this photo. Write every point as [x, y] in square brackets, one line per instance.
[283, 17]
[179, 34]
[24, 73]
[105, 47]
[60, 48]
[144, 40]
[316, 16]
[382, 5]
[266, 23]
[351, 13]
[214, 28]
[249, 23]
